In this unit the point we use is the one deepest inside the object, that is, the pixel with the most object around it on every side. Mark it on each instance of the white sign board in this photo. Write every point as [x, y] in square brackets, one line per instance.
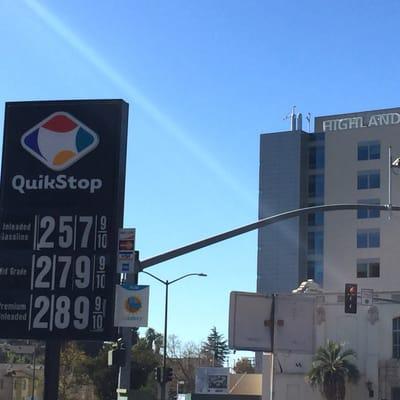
[367, 296]
[212, 380]
[294, 323]
[131, 305]
[250, 321]
[126, 251]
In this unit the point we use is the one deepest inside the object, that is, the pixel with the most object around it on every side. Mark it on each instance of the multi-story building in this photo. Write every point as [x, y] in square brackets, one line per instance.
[344, 161]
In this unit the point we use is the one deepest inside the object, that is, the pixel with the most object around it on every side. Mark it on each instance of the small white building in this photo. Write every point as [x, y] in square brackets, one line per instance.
[373, 333]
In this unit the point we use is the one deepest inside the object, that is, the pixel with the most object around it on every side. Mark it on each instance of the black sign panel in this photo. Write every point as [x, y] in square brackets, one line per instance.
[62, 189]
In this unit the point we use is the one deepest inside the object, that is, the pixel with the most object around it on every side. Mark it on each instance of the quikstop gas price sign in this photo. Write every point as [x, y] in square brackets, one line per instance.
[62, 190]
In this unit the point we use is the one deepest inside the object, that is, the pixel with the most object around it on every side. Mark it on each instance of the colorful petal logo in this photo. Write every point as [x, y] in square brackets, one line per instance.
[59, 141]
[133, 304]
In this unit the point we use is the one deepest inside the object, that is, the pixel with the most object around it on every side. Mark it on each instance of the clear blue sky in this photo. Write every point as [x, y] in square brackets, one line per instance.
[203, 79]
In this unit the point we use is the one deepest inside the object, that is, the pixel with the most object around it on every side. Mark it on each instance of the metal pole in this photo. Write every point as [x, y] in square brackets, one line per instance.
[169, 255]
[163, 382]
[34, 372]
[390, 181]
[52, 369]
[164, 385]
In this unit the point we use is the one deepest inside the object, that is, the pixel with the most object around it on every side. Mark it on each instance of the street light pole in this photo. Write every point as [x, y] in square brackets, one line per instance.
[163, 383]
[166, 284]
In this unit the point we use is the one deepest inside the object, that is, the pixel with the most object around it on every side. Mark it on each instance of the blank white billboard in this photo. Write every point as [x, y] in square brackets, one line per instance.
[294, 323]
[248, 326]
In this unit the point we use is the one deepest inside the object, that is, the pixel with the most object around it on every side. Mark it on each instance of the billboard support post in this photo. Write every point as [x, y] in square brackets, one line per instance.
[52, 369]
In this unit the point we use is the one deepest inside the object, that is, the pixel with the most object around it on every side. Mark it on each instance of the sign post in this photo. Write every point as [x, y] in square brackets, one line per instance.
[62, 190]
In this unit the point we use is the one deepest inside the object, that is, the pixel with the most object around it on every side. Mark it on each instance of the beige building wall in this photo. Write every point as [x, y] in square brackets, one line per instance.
[340, 228]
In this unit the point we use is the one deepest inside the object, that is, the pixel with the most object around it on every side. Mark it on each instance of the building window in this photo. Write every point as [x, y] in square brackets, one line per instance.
[368, 268]
[364, 213]
[316, 242]
[368, 238]
[316, 186]
[316, 219]
[369, 151]
[396, 337]
[316, 157]
[314, 271]
[368, 180]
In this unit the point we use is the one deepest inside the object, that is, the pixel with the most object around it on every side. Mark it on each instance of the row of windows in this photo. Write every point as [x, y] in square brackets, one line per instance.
[366, 238]
[365, 180]
[370, 150]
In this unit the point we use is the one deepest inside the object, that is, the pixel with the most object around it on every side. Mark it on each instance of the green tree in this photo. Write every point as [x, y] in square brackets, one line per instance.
[72, 371]
[215, 348]
[331, 367]
[104, 378]
[144, 361]
[244, 366]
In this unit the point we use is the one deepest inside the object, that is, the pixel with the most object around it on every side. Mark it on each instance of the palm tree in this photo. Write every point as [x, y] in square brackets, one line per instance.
[331, 368]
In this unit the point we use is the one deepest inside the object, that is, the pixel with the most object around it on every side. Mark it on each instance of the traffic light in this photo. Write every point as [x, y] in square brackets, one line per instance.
[350, 298]
[117, 355]
[157, 374]
[169, 374]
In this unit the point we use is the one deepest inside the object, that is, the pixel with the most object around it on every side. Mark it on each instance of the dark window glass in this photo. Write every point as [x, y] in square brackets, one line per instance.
[374, 181]
[368, 238]
[316, 186]
[362, 181]
[374, 268]
[316, 219]
[369, 151]
[375, 151]
[364, 213]
[362, 152]
[315, 242]
[362, 240]
[314, 271]
[316, 157]
[362, 270]
[374, 239]
[368, 180]
[396, 338]
[368, 269]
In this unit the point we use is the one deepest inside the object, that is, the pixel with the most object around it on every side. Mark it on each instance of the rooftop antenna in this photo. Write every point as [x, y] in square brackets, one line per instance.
[292, 117]
[308, 118]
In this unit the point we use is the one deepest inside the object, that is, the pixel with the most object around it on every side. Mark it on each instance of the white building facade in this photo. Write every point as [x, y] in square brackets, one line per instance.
[373, 333]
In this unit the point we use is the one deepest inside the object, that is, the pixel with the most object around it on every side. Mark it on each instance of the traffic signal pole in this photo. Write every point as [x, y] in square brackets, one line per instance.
[149, 262]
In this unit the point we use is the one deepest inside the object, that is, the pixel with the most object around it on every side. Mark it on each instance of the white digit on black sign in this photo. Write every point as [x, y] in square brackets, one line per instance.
[88, 221]
[66, 237]
[103, 223]
[102, 263]
[98, 321]
[48, 224]
[66, 260]
[43, 263]
[62, 315]
[81, 312]
[100, 281]
[43, 303]
[102, 240]
[82, 272]
[97, 303]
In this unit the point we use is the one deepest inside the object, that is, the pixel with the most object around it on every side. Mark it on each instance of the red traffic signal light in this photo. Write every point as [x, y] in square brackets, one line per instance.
[350, 298]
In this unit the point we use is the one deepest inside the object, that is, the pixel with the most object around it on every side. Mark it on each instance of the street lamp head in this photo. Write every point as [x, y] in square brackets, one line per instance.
[201, 274]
